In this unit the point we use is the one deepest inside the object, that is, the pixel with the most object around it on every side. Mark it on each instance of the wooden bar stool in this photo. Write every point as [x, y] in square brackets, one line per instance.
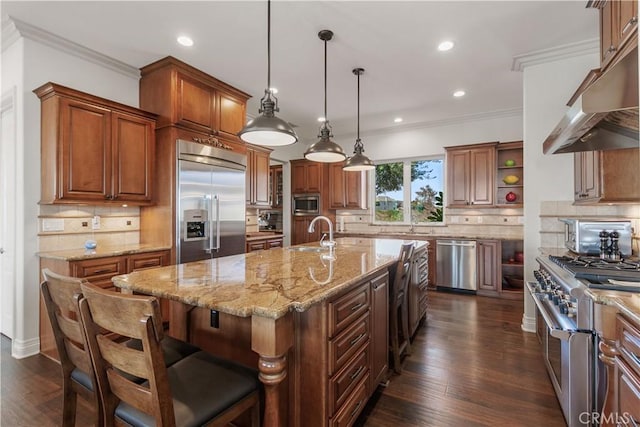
[198, 390]
[59, 294]
[398, 307]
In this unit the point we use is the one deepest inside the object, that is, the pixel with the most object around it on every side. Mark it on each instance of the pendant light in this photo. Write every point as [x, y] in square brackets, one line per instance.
[325, 150]
[358, 162]
[267, 129]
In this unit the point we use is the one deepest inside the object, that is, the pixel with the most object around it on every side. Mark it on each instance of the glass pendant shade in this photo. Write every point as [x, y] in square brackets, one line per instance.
[325, 150]
[358, 162]
[267, 129]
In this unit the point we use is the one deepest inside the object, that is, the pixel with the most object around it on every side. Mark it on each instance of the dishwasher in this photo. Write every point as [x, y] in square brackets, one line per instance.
[456, 264]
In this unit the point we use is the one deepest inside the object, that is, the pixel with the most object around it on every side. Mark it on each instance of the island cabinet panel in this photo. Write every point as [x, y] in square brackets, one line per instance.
[379, 330]
[418, 284]
[627, 370]
[336, 341]
[94, 150]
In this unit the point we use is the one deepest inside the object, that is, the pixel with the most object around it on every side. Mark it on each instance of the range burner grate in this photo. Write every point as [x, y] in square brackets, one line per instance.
[599, 271]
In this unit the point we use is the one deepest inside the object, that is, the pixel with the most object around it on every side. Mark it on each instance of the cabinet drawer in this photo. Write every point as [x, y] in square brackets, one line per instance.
[101, 269]
[628, 394]
[255, 246]
[347, 308]
[276, 243]
[347, 343]
[146, 260]
[348, 414]
[629, 337]
[346, 380]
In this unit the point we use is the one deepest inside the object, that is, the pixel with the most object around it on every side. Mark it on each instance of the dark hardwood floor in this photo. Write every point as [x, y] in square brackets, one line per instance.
[471, 366]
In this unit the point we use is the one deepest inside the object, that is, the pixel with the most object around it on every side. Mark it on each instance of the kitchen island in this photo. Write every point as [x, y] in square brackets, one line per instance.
[316, 320]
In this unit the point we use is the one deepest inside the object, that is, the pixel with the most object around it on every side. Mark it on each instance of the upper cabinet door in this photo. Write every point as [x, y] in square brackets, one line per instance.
[481, 186]
[134, 157]
[231, 115]
[196, 104]
[85, 146]
[458, 177]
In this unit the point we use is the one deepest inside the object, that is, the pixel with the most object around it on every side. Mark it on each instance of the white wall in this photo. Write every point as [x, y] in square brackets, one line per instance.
[39, 65]
[428, 139]
[547, 88]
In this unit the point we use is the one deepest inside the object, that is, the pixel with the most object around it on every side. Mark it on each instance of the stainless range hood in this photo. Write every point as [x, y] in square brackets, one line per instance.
[604, 116]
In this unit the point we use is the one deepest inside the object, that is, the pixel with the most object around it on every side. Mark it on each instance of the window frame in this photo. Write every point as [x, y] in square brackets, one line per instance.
[406, 190]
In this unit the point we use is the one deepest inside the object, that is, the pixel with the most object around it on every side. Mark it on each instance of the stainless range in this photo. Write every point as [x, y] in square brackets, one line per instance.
[565, 326]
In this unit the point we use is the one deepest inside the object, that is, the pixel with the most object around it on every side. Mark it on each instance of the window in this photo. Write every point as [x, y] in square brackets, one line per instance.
[409, 191]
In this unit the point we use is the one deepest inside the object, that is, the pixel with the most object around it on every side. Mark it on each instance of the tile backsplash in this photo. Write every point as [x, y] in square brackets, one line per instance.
[62, 227]
[552, 230]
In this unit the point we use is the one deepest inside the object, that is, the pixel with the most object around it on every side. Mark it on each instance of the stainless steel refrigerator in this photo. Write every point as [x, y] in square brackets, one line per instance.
[210, 211]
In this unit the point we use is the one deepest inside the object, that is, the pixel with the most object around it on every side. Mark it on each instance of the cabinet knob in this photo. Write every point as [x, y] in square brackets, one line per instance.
[633, 21]
[108, 196]
[611, 49]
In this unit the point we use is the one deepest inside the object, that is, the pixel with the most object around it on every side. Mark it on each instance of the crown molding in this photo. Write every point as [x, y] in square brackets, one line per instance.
[13, 29]
[520, 62]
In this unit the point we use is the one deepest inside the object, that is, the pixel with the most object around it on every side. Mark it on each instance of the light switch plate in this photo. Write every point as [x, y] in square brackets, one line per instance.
[53, 224]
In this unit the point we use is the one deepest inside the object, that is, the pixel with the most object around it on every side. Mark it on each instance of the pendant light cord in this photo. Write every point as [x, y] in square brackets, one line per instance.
[358, 136]
[269, 45]
[325, 82]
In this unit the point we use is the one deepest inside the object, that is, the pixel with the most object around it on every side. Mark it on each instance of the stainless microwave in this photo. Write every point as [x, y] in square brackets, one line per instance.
[305, 204]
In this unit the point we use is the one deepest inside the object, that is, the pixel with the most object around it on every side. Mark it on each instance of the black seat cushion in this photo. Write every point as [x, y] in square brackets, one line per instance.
[174, 350]
[202, 386]
[82, 378]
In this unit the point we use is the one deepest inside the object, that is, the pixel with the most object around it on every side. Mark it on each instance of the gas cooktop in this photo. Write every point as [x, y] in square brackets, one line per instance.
[601, 273]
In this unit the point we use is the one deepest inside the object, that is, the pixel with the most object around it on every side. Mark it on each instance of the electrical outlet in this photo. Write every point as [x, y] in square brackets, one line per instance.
[95, 223]
[128, 222]
[215, 319]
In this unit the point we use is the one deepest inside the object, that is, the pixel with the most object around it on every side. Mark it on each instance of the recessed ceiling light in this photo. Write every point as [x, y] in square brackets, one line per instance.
[185, 41]
[445, 45]
[273, 90]
[459, 93]
[321, 119]
[397, 120]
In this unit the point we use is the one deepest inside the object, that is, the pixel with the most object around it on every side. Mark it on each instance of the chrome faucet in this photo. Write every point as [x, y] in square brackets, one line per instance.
[331, 243]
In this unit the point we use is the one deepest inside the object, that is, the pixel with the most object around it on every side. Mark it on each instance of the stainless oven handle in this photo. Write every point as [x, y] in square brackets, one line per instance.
[555, 332]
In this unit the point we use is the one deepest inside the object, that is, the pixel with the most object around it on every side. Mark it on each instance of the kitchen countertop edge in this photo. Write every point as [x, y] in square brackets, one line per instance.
[100, 252]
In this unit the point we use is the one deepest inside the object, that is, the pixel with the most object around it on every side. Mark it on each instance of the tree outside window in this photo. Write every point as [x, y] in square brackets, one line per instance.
[409, 191]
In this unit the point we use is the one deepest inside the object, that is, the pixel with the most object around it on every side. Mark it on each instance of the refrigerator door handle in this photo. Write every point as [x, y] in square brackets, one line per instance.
[217, 198]
[210, 224]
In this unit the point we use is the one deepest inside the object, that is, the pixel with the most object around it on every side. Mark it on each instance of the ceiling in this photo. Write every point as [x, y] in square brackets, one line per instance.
[394, 41]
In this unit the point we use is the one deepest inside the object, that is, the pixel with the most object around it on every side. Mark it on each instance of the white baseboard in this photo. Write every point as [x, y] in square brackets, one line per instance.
[21, 349]
[528, 323]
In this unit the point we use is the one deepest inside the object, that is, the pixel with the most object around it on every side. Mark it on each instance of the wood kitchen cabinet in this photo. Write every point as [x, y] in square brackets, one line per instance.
[417, 302]
[184, 96]
[277, 186]
[618, 29]
[345, 188]
[379, 330]
[609, 176]
[265, 243]
[470, 175]
[94, 150]
[300, 233]
[99, 272]
[488, 262]
[257, 188]
[307, 176]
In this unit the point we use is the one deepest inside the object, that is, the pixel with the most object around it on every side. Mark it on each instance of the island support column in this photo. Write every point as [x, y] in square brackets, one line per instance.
[272, 339]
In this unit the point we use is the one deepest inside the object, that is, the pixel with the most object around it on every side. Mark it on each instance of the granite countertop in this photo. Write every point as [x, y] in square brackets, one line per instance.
[266, 283]
[100, 252]
[261, 235]
[419, 236]
[627, 303]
